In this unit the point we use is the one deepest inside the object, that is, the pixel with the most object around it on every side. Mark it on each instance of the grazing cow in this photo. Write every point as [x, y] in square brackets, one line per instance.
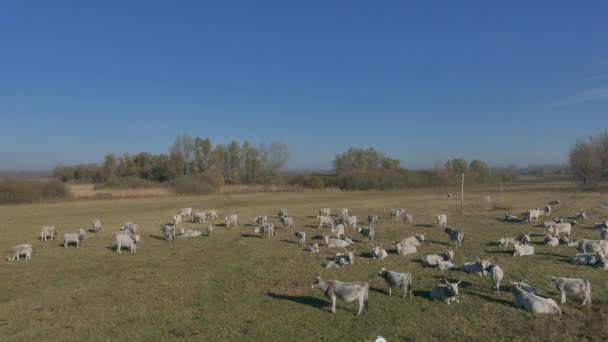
[447, 293]
[586, 259]
[286, 221]
[76, 238]
[211, 214]
[511, 218]
[209, 230]
[367, 232]
[335, 243]
[177, 220]
[231, 220]
[561, 228]
[413, 240]
[343, 213]
[431, 260]
[456, 235]
[325, 220]
[190, 232]
[408, 218]
[478, 267]
[581, 216]
[314, 248]
[347, 291]
[547, 210]
[324, 212]
[576, 286]
[533, 303]
[97, 225]
[283, 213]
[128, 241]
[533, 214]
[19, 250]
[442, 220]
[200, 217]
[185, 212]
[496, 275]
[168, 231]
[130, 227]
[403, 250]
[266, 230]
[378, 252]
[523, 250]
[46, 232]
[395, 213]
[338, 231]
[350, 220]
[301, 237]
[551, 241]
[372, 218]
[402, 280]
[260, 219]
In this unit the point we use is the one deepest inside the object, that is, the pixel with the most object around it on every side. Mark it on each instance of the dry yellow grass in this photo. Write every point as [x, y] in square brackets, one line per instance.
[88, 191]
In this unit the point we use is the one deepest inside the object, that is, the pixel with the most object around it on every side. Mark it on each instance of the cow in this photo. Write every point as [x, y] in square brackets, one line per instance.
[442, 220]
[325, 220]
[345, 258]
[347, 291]
[19, 250]
[581, 216]
[46, 232]
[372, 218]
[367, 232]
[555, 202]
[350, 220]
[212, 214]
[496, 275]
[592, 246]
[286, 221]
[301, 238]
[231, 219]
[478, 267]
[547, 210]
[343, 213]
[190, 233]
[447, 293]
[511, 218]
[431, 260]
[603, 233]
[600, 225]
[209, 230]
[128, 241]
[444, 265]
[314, 248]
[533, 214]
[338, 231]
[185, 212]
[572, 285]
[378, 252]
[456, 235]
[408, 218]
[413, 240]
[586, 259]
[77, 238]
[521, 238]
[199, 217]
[561, 228]
[395, 213]
[551, 241]
[403, 250]
[533, 303]
[168, 231]
[97, 225]
[335, 243]
[266, 230]
[523, 250]
[282, 213]
[177, 219]
[324, 212]
[402, 280]
[130, 227]
[260, 219]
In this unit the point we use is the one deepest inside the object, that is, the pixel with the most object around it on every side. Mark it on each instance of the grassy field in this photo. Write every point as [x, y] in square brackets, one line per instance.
[236, 286]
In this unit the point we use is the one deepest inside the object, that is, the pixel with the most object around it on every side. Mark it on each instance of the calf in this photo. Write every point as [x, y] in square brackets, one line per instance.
[177, 219]
[212, 214]
[395, 213]
[185, 212]
[533, 214]
[447, 293]
[456, 235]
[402, 280]
[130, 227]
[547, 210]
[511, 218]
[190, 232]
[576, 286]
[581, 216]
[314, 248]
[347, 291]
[551, 241]
[561, 228]
[343, 213]
[444, 265]
[260, 219]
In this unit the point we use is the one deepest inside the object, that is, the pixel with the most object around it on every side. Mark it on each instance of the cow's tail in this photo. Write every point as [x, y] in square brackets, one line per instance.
[588, 291]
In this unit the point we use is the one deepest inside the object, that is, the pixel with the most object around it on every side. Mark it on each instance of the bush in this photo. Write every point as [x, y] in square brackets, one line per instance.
[196, 184]
[24, 191]
[128, 183]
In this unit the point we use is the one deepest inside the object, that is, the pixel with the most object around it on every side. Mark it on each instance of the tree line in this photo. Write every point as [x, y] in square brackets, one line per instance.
[589, 157]
[232, 163]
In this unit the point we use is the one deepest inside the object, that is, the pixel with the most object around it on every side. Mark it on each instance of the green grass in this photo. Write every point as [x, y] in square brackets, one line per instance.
[236, 286]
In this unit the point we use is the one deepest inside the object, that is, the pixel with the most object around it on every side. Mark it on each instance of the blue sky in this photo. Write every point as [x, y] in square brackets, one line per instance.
[514, 82]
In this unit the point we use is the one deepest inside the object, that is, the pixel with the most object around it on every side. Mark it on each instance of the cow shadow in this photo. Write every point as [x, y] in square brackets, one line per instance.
[554, 255]
[437, 242]
[157, 237]
[491, 299]
[288, 241]
[304, 300]
[500, 251]
[422, 294]
[91, 231]
[311, 226]
[423, 225]
[111, 248]
[250, 236]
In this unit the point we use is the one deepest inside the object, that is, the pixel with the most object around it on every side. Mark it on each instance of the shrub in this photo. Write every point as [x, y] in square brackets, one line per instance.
[127, 183]
[27, 191]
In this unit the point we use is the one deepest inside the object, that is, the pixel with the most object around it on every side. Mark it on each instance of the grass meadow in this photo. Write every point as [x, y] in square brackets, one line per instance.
[237, 286]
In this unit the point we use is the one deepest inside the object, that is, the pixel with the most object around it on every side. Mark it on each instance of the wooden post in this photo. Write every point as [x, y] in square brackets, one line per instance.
[462, 192]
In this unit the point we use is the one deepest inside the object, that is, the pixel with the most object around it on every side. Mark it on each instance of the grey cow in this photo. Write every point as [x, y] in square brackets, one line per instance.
[456, 235]
[447, 292]
[496, 275]
[433, 259]
[347, 291]
[402, 280]
[76, 238]
[576, 286]
[533, 303]
[477, 267]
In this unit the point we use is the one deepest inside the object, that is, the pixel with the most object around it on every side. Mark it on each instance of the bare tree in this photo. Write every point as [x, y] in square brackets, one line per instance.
[184, 145]
[585, 160]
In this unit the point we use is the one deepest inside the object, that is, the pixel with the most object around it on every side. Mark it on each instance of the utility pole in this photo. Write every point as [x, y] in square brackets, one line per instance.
[462, 192]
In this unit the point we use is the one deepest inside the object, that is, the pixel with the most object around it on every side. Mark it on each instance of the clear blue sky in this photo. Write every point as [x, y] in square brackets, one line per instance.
[513, 82]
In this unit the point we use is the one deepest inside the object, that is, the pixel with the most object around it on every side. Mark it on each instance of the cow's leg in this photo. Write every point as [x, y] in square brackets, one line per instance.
[563, 296]
[333, 304]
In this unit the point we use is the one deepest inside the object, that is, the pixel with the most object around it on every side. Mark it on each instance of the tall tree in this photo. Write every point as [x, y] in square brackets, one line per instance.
[184, 145]
[585, 160]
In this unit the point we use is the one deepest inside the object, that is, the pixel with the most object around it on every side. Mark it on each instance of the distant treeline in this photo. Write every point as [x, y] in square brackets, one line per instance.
[196, 162]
